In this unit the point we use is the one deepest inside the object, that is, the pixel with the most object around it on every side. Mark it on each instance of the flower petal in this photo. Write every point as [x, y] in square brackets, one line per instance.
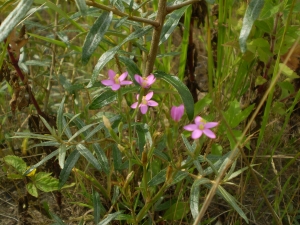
[107, 82]
[115, 87]
[123, 76]
[190, 127]
[177, 112]
[150, 79]
[209, 133]
[152, 103]
[111, 74]
[138, 79]
[126, 82]
[144, 108]
[149, 96]
[211, 124]
[134, 105]
[198, 120]
[196, 134]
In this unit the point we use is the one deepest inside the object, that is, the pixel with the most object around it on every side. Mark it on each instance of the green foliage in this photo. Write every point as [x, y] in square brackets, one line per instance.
[132, 168]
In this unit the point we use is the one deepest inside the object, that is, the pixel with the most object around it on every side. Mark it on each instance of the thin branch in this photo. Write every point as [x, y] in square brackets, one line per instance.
[121, 14]
[160, 18]
[178, 6]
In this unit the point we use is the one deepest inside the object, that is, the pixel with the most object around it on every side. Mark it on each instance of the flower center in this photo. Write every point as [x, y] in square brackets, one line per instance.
[202, 124]
[145, 82]
[144, 101]
[116, 78]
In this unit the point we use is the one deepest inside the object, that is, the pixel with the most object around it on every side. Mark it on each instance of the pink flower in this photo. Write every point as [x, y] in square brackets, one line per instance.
[201, 126]
[145, 103]
[116, 80]
[177, 112]
[145, 82]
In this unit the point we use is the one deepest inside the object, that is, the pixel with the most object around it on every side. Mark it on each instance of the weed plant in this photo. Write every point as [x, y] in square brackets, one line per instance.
[101, 104]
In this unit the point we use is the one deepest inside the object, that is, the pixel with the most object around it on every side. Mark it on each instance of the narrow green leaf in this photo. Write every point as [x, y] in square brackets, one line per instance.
[102, 159]
[62, 155]
[252, 13]
[179, 176]
[16, 162]
[158, 178]
[109, 218]
[61, 12]
[177, 211]
[109, 96]
[108, 55]
[117, 157]
[31, 188]
[98, 207]
[232, 201]
[14, 17]
[183, 91]
[56, 219]
[45, 182]
[187, 144]
[95, 35]
[51, 155]
[69, 165]
[171, 24]
[59, 122]
[195, 193]
[82, 130]
[82, 7]
[88, 155]
[56, 42]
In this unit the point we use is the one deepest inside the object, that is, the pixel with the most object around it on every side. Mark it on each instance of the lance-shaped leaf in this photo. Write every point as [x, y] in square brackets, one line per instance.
[14, 18]
[183, 91]
[69, 165]
[171, 24]
[82, 7]
[251, 15]
[88, 155]
[95, 35]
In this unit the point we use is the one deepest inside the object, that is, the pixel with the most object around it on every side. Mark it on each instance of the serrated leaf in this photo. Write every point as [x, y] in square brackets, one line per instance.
[69, 165]
[14, 17]
[88, 156]
[171, 24]
[177, 211]
[109, 218]
[95, 35]
[82, 7]
[45, 182]
[288, 72]
[16, 162]
[31, 188]
[182, 89]
[108, 55]
[109, 96]
[252, 13]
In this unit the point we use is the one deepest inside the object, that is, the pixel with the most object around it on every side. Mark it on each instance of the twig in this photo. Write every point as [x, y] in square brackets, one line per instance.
[178, 6]
[161, 14]
[121, 14]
